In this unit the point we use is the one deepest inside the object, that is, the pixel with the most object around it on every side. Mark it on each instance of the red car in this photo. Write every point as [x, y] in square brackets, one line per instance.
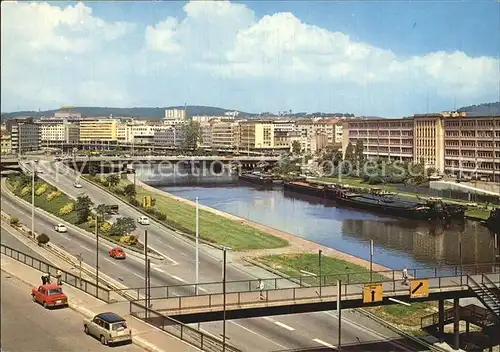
[49, 295]
[117, 253]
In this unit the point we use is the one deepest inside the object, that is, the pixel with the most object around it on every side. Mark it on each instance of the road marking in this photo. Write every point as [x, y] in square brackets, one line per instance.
[253, 332]
[202, 289]
[324, 343]
[169, 246]
[184, 254]
[106, 259]
[142, 277]
[158, 269]
[284, 326]
[83, 247]
[177, 278]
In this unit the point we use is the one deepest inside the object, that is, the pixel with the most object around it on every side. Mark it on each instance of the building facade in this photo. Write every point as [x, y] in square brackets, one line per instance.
[99, 131]
[25, 136]
[173, 136]
[59, 132]
[175, 115]
[6, 144]
[224, 135]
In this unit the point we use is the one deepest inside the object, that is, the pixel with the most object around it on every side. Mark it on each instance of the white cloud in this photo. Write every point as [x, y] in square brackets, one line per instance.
[220, 53]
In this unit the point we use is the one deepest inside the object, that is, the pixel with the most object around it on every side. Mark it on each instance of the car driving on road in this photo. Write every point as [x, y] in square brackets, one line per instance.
[60, 228]
[143, 220]
[108, 327]
[117, 253]
[77, 185]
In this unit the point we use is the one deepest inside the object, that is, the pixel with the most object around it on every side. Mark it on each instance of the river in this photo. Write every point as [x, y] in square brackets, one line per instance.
[396, 242]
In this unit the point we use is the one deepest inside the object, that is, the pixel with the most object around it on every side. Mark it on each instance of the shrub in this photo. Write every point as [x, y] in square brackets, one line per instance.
[129, 240]
[375, 180]
[134, 202]
[68, 208]
[119, 191]
[161, 216]
[14, 221]
[42, 239]
[26, 190]
[41, 190]
[53, 195]
[105, 227]
[150, 211]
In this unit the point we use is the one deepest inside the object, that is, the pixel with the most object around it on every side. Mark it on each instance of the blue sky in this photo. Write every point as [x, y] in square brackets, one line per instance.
[390, 58]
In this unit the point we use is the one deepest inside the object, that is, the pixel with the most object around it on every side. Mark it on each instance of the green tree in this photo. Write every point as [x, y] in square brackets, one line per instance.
[349, 153]
[192, 135]
[122, 226]
[93, 170]
[113, 180]
[130, 190]
[103, 212]
[358, 152]
[42, 239]
[83, 205]
[296, 147]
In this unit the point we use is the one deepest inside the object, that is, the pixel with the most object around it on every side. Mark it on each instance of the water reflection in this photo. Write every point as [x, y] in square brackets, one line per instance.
[397, 242]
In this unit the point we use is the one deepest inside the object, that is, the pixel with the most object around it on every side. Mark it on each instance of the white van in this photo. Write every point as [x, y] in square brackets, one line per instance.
[143, 220]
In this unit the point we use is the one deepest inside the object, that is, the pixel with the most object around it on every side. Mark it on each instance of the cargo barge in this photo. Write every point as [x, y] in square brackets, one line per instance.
[256, 178]
[305, 188]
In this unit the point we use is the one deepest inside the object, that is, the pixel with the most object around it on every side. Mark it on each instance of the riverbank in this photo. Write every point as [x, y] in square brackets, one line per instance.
[472, 213]
[294, 244]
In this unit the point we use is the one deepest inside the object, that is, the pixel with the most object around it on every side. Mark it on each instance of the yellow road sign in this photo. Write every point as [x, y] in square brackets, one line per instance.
[373, 293]
[419, 288]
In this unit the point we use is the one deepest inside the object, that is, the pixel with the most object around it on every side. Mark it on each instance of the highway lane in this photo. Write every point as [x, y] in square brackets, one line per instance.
[313, 329]
[9, 240]
[27, 326]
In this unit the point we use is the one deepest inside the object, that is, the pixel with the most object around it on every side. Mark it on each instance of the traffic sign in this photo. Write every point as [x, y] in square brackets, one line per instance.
[373, 293]
[419, 288]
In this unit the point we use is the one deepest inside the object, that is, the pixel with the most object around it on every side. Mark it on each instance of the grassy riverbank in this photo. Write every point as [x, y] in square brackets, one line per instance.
[213, 228]
[407, 318]
[471, 212]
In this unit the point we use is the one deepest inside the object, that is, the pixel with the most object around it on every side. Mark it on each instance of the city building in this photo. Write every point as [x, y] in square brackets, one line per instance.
[175, 116]
[224, 135]
[59, 132]
[25, 135]
[338, 133]
[100, 131]
[173, 136]
[265, 135]
[316, 134]
[206, 134]
[382, 138]
[6, 144]
[139, 132]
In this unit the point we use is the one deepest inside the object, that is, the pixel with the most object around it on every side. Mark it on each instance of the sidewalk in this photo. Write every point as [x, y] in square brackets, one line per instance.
[144, 335]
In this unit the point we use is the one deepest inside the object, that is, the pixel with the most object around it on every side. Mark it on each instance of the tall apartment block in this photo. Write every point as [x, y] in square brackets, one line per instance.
[451, 142]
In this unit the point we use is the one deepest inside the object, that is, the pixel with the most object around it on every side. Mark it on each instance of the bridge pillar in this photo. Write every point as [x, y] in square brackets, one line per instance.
[456, 324]
[441, 318]
[467, 327]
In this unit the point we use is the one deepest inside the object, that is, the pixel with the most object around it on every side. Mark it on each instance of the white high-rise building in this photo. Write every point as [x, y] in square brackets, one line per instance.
[175, 114]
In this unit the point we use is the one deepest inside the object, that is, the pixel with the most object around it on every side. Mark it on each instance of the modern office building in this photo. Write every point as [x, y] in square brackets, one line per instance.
[25, 135]
[59, 132]
[175, 116]
[99, 131]
[6, 144]
[173, 136]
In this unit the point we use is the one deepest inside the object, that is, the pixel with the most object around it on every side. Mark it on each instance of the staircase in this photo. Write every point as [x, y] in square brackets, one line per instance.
[488, 293]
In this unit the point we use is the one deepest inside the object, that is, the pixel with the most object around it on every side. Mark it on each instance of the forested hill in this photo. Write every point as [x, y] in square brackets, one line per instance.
[483, 109]
[150, 113]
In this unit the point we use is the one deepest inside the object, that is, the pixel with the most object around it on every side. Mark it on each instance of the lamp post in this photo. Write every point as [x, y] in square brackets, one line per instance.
[33, 199]
[319, 264]
[224, 298]
[371, 260]
[197, 264]
[97, 249]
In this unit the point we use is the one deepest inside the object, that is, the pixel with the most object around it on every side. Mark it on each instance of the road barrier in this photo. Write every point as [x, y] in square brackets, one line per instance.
[192, 336]
[72, 280]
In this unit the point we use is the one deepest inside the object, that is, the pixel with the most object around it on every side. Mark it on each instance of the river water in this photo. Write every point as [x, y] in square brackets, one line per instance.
[396, 242]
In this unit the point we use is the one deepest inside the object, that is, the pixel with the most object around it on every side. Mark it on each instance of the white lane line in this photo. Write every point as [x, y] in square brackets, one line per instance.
[202, 289]
[263, 337]
[284, 326]
[142, 277]
[184, 254]
[106, 259]
[268, 319]
[169, 246]
[83, 247]
[177, 278]
[158, 269]
[321, 342]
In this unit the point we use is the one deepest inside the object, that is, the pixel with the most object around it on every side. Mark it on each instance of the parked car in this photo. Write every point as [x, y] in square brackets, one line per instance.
[117, 253]
[77, 185]
[60, 228]
[109, 327]
[49, 295]
[143, 220]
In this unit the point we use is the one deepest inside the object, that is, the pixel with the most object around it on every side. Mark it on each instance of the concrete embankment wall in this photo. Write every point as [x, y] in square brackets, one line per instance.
[491, 189]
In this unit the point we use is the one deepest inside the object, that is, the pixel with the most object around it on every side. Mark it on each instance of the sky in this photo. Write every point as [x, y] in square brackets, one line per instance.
[379, 58]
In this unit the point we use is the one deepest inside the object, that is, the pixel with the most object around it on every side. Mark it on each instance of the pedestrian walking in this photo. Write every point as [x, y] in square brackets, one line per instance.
[405, 276]
[59, 277]
[49, 278]
[261, 289]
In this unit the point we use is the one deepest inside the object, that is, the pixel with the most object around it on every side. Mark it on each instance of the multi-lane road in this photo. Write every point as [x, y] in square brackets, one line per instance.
[27, 326]
[256, 334]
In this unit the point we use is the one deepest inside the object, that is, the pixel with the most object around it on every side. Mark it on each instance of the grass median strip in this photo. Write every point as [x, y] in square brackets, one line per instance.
[213, 228]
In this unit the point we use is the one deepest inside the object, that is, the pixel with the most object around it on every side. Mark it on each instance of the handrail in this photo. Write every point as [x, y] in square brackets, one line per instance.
[197, 338]
[279, 283]
[491, 285]
[483, 292]
[72, 280]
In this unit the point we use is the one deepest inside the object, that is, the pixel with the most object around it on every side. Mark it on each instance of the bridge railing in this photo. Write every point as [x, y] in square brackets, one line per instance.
[294, 294]
[472, 313]
[192, 336]
[86, 286]
[277, 283]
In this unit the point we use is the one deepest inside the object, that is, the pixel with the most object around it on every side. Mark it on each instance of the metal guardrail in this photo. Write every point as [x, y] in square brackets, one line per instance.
[192, 336]
[72, 280]
[295, 295]
[278, 283]
[476, 313]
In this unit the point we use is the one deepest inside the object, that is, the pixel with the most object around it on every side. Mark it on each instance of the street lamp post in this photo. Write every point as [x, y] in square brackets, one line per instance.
[33, 199]
[224, 303]
[96, 250]
[319, 264]
[197, 250]
[371, 260]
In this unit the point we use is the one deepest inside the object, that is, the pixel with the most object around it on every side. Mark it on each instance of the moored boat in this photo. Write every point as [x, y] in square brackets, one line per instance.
[305, 187]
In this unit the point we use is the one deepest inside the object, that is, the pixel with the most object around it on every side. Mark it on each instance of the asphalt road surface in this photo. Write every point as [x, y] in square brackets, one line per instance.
[256, 334]
[28, 327]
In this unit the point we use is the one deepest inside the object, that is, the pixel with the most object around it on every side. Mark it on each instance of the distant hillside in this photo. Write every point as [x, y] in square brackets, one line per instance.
[148, 113]
[483, 109]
